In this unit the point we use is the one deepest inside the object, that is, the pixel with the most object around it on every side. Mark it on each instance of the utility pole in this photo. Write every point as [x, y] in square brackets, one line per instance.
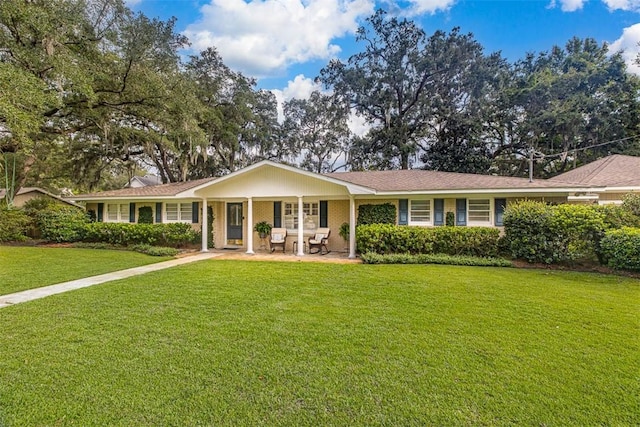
[530, 165]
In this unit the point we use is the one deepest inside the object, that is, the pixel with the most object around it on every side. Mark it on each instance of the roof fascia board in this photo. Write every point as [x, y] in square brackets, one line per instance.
[132, 198]
[486, 191]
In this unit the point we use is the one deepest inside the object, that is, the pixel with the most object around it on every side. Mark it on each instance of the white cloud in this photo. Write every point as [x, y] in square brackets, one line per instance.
[567, 5]
[628, 43]
[264, 37]
[419, 7]
[571, 5]
[300, 87]
[633, 5]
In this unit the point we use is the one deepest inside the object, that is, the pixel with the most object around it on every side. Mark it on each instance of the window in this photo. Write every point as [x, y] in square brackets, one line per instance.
[178, 212]
[310, 213]
[480, 210]
[117, 212]
[420, 212]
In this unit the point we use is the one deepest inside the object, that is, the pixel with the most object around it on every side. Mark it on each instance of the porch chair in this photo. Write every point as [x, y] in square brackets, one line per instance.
[319, 241]
[278, 238]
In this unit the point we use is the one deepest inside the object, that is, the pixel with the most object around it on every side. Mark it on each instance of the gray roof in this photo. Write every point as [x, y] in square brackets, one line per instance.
[612, 171]
[164, 190]
[424, 180]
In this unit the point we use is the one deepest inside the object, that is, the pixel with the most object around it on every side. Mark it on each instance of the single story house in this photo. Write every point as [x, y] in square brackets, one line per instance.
[302, 201]
[24, 194]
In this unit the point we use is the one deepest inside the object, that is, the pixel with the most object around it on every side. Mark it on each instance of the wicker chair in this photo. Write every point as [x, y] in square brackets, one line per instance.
[278, 238]
[319, 241]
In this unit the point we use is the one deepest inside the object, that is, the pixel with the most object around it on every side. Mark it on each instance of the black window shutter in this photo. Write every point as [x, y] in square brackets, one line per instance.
[132, 212]
[403, 214]
[500, 205]
[461, 211]
[438, 212]
[100, 212]
[324, 212]
[277, 214]
[159, 212]
[195, 208]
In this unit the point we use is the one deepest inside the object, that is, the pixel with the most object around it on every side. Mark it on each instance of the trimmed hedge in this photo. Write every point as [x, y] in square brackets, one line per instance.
[374, 258]
[155, 250]
[60, 223]
[396, 239]
[13, 224]
[621, 248]
[537, 232]
[115, 233]
[376, 214]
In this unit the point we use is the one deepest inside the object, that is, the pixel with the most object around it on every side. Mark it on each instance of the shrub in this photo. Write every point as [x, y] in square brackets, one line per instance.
[618, 216]
[530, 232]
[450, 220]
[145, 215]
[173, 234]
[581, 227]
[374, 258]
[388, 239]
[155, 250]
[632, 202]
[60, 223]
[376, 214]
[621, 248]
[14, 223]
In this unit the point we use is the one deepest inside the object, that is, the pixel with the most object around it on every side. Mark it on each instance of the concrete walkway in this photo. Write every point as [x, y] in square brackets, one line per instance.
[31, 294]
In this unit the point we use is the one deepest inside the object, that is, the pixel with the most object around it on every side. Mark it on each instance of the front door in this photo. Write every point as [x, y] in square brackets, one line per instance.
[234, 224]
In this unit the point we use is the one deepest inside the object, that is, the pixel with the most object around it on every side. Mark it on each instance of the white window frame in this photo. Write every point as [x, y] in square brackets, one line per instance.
[183, 212]
[121, 211]
[428, 211]
[311, 215]
[476, 211]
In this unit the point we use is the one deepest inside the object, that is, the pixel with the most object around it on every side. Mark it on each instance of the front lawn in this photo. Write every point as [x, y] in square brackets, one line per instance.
[24, 268]
[268, 343]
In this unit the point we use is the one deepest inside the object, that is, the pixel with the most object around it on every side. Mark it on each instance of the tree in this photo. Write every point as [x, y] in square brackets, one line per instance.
[400, 81]
[238, 121]
[570, 105]
[317, 130]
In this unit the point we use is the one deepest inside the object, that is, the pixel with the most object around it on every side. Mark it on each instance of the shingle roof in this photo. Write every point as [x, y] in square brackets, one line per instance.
[421, 180]
[612, 171]
[164, 190]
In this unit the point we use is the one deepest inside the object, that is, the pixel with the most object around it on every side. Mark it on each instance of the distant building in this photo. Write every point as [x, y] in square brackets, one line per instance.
[143, 181]
[28, 193]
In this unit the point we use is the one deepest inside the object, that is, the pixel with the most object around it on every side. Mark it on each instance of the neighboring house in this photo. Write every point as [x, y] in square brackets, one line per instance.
[143, 181]
[303, 201]
[28, 193]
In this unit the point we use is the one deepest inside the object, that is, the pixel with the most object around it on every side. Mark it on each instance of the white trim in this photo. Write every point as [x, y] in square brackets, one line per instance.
[179, 212]
[119, 216]
[427, 223]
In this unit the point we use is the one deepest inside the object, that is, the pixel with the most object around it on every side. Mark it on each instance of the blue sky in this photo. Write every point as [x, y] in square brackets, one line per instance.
[284, 43]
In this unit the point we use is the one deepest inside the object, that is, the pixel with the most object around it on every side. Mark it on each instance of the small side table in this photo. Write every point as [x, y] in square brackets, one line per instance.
[295, 246]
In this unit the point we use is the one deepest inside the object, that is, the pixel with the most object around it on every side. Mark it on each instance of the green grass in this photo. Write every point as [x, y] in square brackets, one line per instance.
[24, 268]
[252, 343]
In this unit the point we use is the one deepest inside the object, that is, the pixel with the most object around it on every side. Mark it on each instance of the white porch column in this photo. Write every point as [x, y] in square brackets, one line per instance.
[352, 227]
[250, 225]
[205, 226]
[300, 227]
